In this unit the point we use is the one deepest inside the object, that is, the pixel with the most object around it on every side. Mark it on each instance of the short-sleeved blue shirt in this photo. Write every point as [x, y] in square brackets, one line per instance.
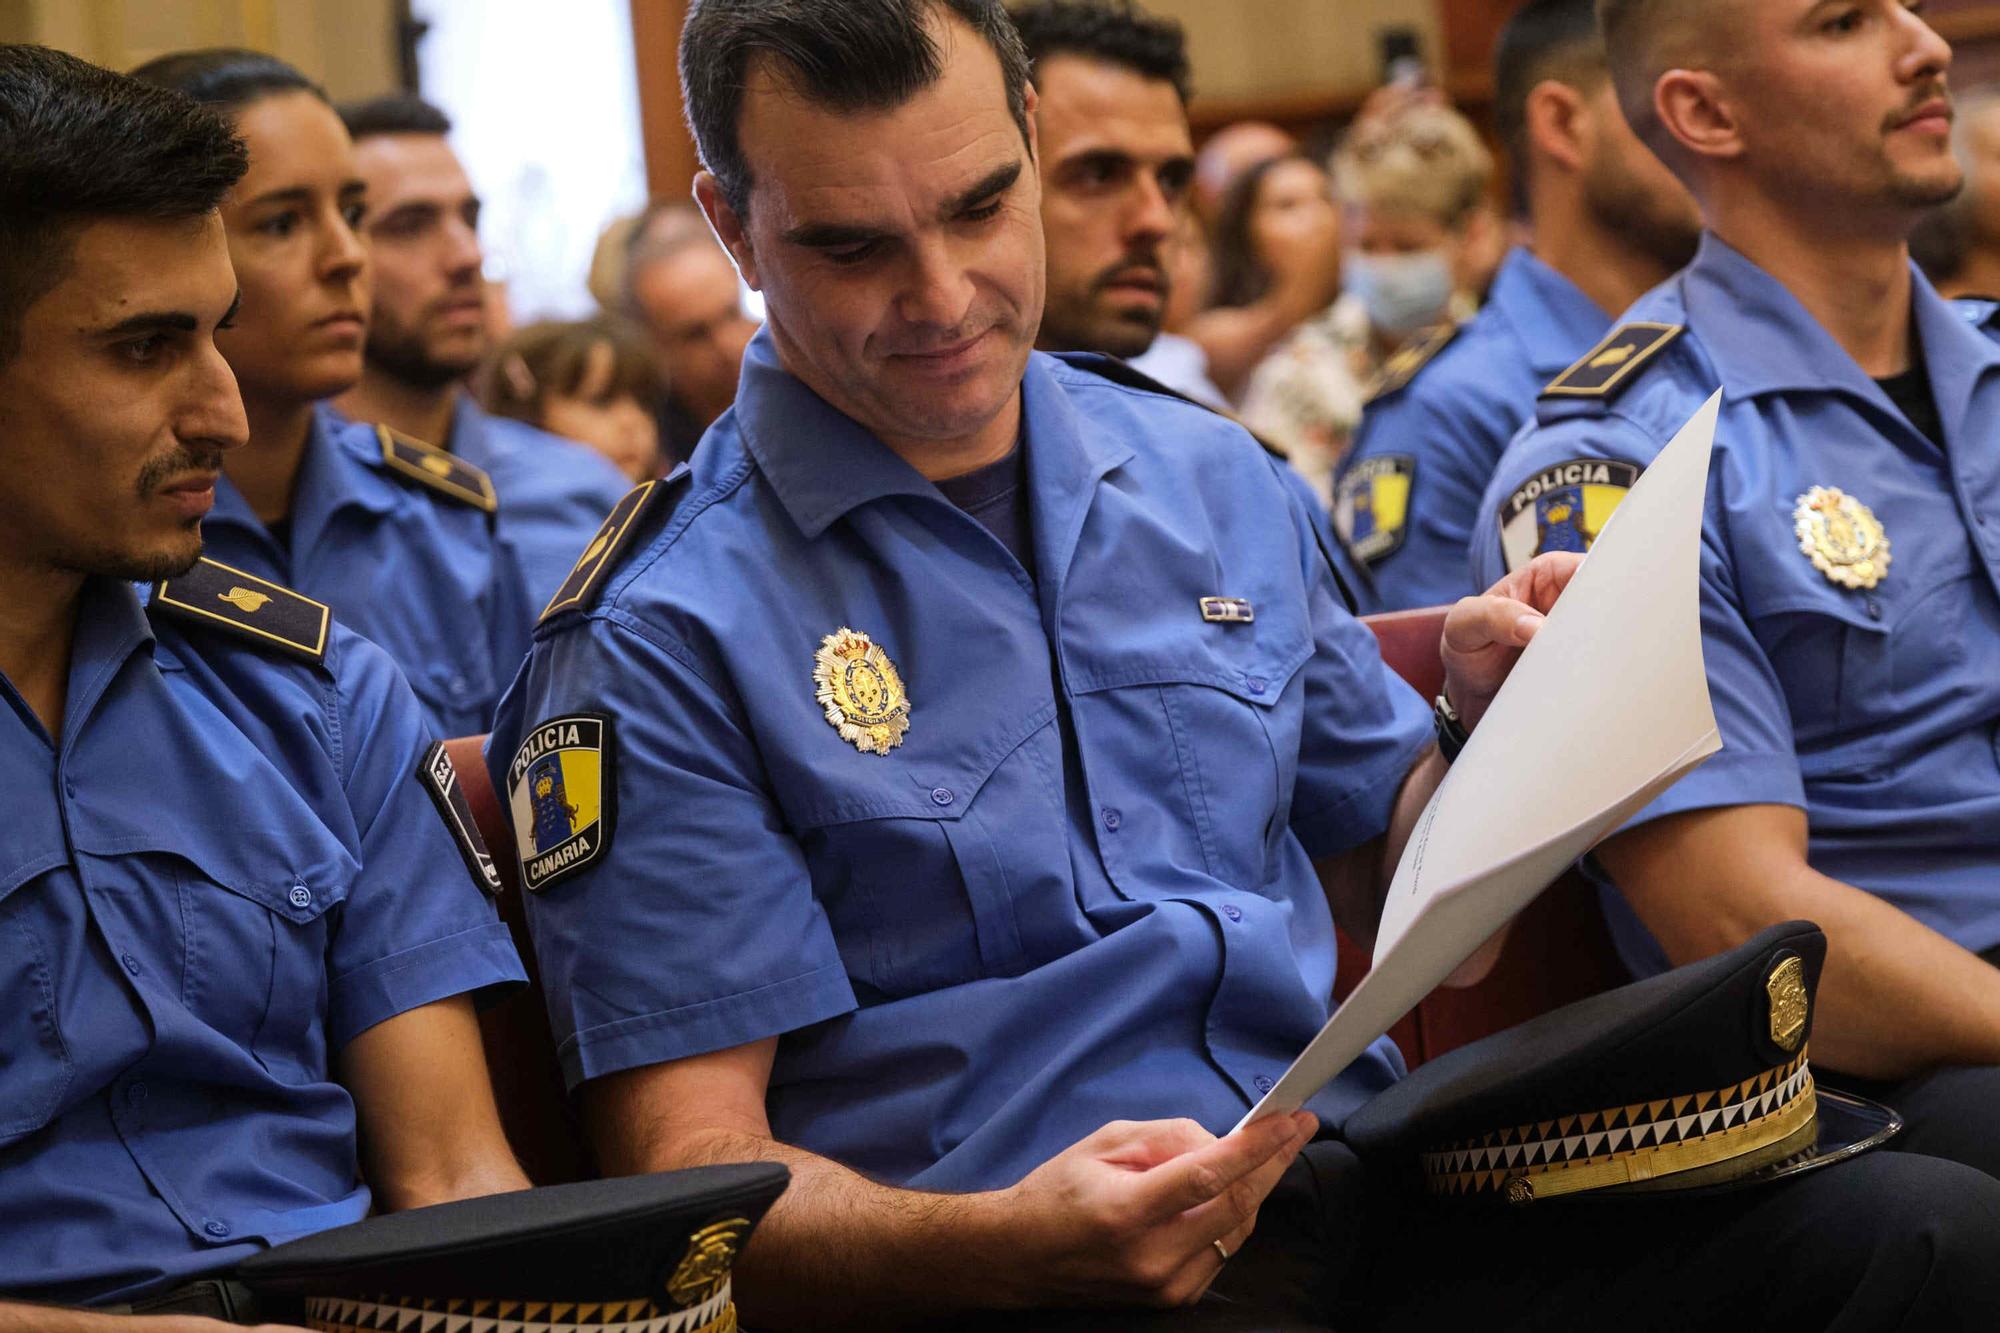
[554, 493]
[437, 583]
[985, 943]
[1876, 710]
[1437, 438]
[221, 872]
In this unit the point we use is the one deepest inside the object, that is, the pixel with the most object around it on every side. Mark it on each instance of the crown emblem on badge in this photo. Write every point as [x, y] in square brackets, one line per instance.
[250, 603]
[860, 690]
[1842, 537]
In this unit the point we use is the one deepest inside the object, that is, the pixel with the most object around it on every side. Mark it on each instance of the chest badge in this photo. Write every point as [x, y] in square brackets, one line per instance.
[1842, 537]
[860, 690]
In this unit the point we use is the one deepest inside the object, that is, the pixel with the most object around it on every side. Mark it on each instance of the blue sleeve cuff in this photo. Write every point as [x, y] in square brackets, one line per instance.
[1363, 812]
[1730, 779]
[711, 1025]
[480, 959]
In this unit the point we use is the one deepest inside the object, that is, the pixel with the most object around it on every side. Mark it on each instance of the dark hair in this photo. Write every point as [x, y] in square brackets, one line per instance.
[1114, 31]
[856, 55]
[551, 358]
[80, 144]
[1547, 39]
[227, 77]
[397, 113]
[1240, 275]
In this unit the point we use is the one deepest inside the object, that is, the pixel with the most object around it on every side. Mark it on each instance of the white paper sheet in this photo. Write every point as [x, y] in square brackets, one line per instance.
[1606, 709]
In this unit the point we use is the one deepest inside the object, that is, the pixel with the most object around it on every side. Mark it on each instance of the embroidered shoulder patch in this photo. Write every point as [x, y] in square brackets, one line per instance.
[1412, 357]
[1607, 367]
[1562, 508]
[437, 469]
[560, 793]
[626, 519]
[440, 778]
[222, 596]
[1371, 505]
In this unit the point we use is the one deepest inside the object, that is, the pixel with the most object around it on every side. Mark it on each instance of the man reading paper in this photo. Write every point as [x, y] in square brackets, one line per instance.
[925, 790]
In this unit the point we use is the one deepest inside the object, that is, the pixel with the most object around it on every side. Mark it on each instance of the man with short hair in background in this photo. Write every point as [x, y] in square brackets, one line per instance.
[682, 289]
[1959, 244]
[1609, 222]
[427, 330]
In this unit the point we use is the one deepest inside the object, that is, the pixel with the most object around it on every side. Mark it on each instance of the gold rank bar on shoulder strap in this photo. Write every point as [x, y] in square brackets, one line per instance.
[220, 595]
[437, 469]
[1412, 357]
[611, 541]
[1606, 367]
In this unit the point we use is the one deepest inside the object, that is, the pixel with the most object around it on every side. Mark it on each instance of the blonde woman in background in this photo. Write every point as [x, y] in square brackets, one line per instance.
[1421, 243]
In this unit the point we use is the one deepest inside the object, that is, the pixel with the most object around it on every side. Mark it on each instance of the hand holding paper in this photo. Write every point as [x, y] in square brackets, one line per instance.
[1606, 708]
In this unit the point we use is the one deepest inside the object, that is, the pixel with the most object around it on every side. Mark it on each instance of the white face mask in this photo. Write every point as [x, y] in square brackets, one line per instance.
[1402, 293]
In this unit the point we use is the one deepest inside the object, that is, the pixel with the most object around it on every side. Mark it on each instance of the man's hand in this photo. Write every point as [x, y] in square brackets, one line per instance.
[1484, 636]
[1131, 1214]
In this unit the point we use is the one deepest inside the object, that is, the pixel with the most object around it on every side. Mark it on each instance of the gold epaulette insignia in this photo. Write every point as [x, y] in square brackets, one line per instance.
[437, 469]
[1606, 367]
[217, 594]
[1412, 357]
[598, 558]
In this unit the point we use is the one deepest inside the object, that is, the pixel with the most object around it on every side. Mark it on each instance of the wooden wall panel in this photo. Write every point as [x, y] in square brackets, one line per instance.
[670, 156]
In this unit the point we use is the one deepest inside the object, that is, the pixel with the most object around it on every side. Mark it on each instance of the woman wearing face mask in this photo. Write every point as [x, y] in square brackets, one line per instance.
[397, 537]
[1419, 245]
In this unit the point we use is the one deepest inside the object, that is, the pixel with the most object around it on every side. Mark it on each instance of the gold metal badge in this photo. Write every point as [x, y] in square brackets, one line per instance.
[861, 692]
[705, 1267]
[1842, 537]
[250, 603]
[1787, 988]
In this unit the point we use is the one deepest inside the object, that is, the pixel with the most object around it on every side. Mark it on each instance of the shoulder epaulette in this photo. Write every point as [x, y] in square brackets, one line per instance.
[437, 469]
[217, 595]
[1120, 371]
[633, 514]
[1413, 356]
[1608, 367]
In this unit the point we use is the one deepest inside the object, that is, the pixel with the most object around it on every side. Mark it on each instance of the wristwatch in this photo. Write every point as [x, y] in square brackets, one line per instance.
[1451, 731]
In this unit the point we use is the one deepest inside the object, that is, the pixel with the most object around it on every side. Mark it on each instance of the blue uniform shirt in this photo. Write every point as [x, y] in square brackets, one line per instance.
[983, 944]
[554, 493]
[220, 873]
[1436, 439]
[435, 582]
[1875, 710]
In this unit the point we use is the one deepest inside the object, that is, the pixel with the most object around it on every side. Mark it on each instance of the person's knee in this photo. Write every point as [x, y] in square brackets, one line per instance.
[1919, 1246]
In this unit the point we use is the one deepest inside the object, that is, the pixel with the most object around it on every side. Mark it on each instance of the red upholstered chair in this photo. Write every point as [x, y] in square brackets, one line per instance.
[1560, 949]
[520, 1051]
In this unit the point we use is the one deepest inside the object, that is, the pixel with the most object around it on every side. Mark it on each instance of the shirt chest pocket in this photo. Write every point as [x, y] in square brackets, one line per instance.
[1830, 651]
[238, 931]
[1192, 758]
[35, 1064]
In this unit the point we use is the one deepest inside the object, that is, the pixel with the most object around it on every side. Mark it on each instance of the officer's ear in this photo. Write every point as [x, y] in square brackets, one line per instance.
[727, 225]
[1694, 107]
[1557, 124]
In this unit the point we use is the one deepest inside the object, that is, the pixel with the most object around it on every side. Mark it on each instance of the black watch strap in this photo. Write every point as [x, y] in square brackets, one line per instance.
[1451, 732]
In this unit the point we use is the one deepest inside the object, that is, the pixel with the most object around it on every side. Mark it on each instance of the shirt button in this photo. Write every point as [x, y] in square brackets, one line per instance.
[1257, 684]
[1874, 609]
[69, 788]
[131, 963]
[1232, 911]
[216, 1229]
[1263, 1084]
[1112, 818]
[135, 1095]
[941, 796]
[301, 896]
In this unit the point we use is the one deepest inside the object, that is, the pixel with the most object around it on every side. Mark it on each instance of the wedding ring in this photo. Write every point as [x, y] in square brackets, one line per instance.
[1219, 1250]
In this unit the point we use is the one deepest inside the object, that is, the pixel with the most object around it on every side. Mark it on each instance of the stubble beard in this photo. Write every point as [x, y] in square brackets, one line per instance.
[402, 354]
[1631, 210]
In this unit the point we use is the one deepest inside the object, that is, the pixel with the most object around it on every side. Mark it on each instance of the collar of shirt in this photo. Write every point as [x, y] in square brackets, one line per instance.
[1549, 313]
[1763, 340]
[822, 464]
[342, 468]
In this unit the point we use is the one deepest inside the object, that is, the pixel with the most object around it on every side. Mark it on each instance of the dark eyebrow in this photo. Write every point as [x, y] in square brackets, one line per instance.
[833, 235]
[165, 321]
[296, 194]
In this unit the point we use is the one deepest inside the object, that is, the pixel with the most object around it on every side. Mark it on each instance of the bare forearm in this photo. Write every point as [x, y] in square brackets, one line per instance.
[839, 1249]
[47, 1319]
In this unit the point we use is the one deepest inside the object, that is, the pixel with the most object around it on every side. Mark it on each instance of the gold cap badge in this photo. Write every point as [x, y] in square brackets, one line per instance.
[861, 691]
[1787, 988]
[1842, 537]
[704, 1269]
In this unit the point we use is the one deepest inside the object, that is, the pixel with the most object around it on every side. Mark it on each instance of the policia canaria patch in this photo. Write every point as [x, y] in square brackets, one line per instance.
[1371, 505]
[1562, 508]
[559, 792]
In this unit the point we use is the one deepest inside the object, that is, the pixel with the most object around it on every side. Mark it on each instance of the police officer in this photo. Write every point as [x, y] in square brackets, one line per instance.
[428, 330]
[1852, 548]
[398, 537]
[924, 789]
[237, 941]
[1609, 222]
